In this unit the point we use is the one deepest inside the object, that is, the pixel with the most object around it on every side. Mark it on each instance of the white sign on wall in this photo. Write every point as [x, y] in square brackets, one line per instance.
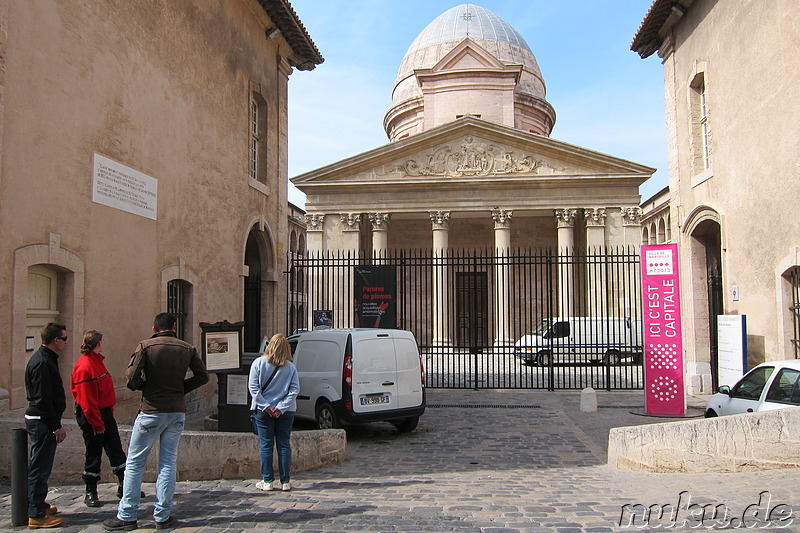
[731, 348]
[123, 188]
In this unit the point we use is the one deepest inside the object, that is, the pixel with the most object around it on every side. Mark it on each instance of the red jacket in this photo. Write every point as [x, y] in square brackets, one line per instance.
[93, 388]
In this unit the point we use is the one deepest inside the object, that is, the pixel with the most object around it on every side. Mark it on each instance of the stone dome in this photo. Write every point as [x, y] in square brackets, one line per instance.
[483, 26]
[494, 36]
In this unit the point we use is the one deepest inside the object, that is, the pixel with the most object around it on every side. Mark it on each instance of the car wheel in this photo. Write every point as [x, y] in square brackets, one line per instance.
[612, 357]
[544, 358]
[326, 417]
[406, 425]
[710, 413]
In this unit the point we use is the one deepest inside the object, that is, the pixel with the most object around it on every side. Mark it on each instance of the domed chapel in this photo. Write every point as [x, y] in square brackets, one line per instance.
[470, 163]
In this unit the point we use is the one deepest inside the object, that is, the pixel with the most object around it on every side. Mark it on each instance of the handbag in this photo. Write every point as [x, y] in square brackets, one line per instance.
[253, 425]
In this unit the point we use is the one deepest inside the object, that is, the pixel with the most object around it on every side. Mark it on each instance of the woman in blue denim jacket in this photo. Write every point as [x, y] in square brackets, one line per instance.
[274, 385]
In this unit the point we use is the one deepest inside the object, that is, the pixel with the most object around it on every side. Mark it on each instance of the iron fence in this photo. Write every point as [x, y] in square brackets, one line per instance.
[514, 318]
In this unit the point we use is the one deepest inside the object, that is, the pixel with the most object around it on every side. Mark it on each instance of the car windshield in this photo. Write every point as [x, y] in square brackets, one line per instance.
[542, 328]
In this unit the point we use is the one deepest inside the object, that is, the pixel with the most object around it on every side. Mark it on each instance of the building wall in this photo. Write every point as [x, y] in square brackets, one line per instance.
[163, 88]
[750, 189]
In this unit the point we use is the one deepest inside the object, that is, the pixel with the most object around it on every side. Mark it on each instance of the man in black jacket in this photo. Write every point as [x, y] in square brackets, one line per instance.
[46, 404]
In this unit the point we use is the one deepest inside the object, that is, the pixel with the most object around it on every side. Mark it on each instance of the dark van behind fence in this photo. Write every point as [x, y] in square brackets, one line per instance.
[508, 318]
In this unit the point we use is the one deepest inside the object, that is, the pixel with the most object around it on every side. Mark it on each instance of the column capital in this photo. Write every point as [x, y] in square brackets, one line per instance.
[632, 216]
[595, 216]
[380, 221]
[566, 217]
[315, 221]
[351, 221]
[440, 219]
[502, 218]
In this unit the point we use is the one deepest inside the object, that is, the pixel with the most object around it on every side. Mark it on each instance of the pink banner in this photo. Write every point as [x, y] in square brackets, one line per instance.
[663, 348]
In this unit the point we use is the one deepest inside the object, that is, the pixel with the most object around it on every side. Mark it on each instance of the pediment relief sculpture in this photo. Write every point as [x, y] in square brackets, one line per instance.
[473, 158]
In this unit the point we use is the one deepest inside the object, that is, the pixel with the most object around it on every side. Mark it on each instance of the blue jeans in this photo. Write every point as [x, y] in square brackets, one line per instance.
[278, 431]
[149, 427]
[43, 453]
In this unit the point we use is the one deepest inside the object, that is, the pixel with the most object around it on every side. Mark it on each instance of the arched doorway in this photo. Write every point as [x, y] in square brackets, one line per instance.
[706, 265]
[258, 289]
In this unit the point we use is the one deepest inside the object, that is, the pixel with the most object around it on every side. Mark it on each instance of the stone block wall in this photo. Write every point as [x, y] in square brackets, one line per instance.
[752, 441]
[201, 454]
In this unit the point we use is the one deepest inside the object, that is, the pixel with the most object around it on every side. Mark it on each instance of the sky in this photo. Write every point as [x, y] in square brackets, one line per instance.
[606, 97]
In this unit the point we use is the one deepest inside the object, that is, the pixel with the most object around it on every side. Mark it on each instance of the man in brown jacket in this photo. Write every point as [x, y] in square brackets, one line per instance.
[158, 368]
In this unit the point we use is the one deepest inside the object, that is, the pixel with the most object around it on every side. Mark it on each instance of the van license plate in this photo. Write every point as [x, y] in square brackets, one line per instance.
[372, 400]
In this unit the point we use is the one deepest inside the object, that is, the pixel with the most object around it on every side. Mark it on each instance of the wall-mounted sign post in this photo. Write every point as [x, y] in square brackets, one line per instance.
[663, 347]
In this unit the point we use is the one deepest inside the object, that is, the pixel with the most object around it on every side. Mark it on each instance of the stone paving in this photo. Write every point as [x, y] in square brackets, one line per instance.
[482, 462]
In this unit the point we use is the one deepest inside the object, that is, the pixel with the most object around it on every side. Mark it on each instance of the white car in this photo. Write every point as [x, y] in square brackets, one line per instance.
[770, 385]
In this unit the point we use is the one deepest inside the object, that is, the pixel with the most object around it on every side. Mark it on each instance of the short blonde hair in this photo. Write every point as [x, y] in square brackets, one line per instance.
[277, 351]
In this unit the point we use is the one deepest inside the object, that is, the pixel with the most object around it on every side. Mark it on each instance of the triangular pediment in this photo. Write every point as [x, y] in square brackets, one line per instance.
[467, 55]
[475, 150]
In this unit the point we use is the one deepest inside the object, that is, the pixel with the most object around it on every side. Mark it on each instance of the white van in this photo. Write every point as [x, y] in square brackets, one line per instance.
[350, 376]
[581, 340]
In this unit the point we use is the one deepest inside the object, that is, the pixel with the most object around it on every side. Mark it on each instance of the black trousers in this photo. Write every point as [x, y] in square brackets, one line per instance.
[95, 444]
[43, 453]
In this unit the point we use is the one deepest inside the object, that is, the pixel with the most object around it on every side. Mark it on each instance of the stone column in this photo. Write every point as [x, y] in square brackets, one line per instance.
[342, 288]
[502, 281]
[631, 225]
[566, 247]
[380, 235]
[315, 244]
[596, 279]
[440, 225]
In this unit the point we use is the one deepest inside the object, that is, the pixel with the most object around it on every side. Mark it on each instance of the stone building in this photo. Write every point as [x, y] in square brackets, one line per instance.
[471, 163]
[144, 169]
[732, 122]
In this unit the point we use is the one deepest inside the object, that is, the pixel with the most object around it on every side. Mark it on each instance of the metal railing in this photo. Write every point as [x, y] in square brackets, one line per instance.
[475, 313]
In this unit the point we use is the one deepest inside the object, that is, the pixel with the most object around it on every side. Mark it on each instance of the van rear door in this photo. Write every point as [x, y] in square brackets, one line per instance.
[374, 373]
[409, 373]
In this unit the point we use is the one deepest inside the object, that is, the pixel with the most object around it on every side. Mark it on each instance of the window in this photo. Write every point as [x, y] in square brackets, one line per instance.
[794, 278]
[258, 138]
[750, 386]
[178, 292]
[784, 387]
[701, 137]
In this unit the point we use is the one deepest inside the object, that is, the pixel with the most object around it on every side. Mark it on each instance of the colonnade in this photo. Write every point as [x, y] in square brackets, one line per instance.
[343, 233]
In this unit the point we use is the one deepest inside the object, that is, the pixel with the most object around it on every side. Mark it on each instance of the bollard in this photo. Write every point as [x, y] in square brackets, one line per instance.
[19, 477]
[588, 400]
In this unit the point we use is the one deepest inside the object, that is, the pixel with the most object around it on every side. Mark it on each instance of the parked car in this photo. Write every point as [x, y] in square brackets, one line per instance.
[352, 376]
[770, 385]
[581, 340]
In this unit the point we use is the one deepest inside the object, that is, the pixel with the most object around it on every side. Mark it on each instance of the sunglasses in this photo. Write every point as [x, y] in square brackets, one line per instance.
[63, 338]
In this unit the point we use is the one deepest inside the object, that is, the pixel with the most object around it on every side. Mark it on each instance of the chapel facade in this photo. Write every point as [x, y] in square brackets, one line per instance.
[471, 163]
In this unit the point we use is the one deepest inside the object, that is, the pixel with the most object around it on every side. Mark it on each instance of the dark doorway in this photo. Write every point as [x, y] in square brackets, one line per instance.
[708, 235]
[252, 296]
[472, 309]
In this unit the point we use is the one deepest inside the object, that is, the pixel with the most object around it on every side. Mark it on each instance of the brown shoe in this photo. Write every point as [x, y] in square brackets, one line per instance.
[44, 521]
[51, 510]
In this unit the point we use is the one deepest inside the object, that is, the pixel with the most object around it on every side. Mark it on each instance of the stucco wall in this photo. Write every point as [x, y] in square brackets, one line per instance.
[739, 47]
[163, 88]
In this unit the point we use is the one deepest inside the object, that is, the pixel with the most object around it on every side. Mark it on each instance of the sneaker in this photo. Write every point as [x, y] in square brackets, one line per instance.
[265, 486]
[44, 521]
[166, 524]
[286, 487]
[115, 524]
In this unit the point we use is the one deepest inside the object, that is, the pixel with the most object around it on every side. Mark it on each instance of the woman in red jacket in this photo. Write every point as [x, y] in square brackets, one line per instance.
[93, 390]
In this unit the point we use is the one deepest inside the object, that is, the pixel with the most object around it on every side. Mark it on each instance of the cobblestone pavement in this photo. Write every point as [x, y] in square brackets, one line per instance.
[488, 462]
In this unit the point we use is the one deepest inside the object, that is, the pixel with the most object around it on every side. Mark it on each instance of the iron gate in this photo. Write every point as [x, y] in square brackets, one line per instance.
[527, 319]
